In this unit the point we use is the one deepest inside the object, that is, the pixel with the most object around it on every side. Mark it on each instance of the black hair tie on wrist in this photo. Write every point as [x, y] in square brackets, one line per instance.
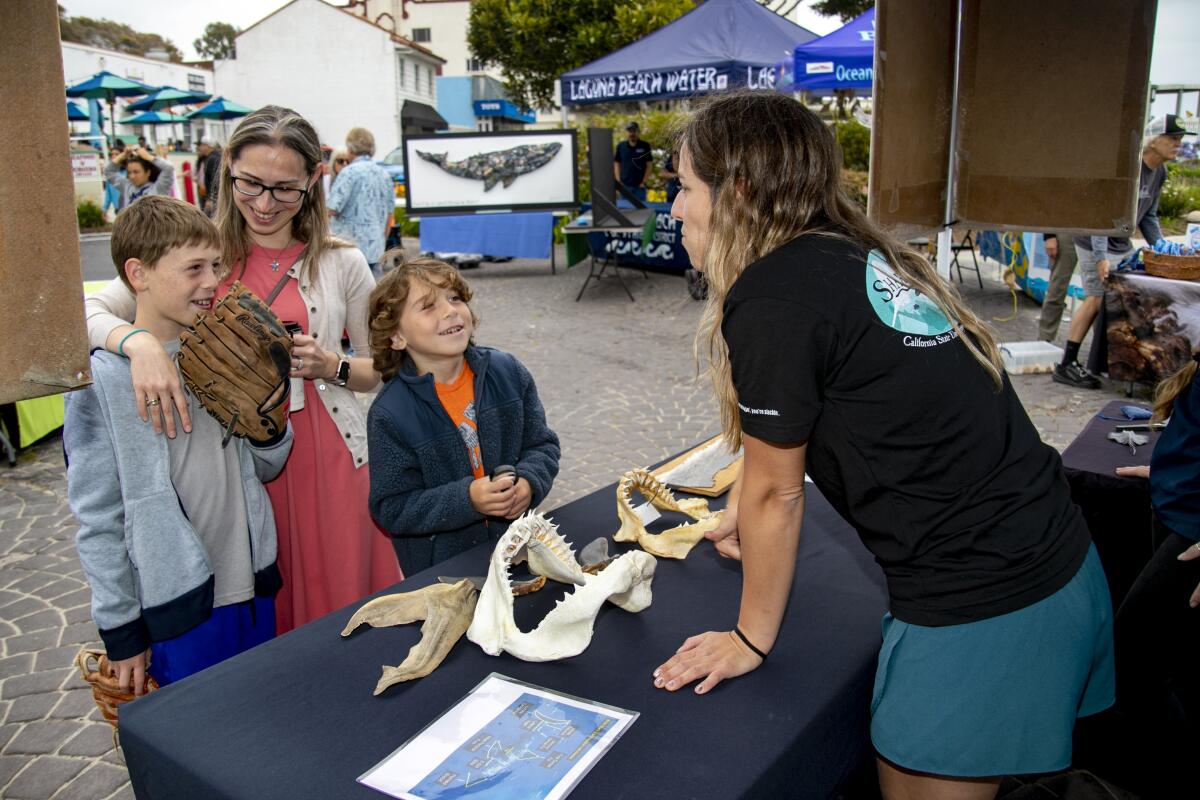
[748, 643]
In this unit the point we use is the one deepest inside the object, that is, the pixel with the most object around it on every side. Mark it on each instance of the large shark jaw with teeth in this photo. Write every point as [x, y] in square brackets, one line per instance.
[673, 543]
[567, 630]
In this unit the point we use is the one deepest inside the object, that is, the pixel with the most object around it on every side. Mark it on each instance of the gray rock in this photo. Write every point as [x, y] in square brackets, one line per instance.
[16, 665]
[42, 778]
[74, 704]
[22, 607]
[38, 738]
[31, 707]
[93, 741]
[29, 642]
[79, 633]
[9, 766]
[56, 657]
[50, 618]
[33, 683]
[100, 780]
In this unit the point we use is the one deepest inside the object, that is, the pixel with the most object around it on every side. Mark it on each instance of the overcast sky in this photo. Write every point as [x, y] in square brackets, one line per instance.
[1176, 40]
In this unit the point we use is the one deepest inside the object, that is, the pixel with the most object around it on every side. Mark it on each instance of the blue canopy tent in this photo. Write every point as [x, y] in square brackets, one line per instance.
[718, 45]
[845, 59]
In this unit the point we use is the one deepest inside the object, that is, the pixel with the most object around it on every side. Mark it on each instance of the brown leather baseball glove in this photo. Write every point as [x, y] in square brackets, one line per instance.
[105, 690]
[237, 363]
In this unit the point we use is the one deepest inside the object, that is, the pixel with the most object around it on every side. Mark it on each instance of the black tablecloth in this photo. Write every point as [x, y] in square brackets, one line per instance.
[295, 718]
[1117, 509]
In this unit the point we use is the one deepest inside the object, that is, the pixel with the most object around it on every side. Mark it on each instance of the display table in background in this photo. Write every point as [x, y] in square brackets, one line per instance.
[1117, 509]
[1147, 329]
[528, 235]
[663, 248]
[295, 717]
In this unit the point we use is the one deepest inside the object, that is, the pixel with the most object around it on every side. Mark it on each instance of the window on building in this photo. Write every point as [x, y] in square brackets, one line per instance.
[195, 83]
[474, 65]
[421, 35]
[400, 72]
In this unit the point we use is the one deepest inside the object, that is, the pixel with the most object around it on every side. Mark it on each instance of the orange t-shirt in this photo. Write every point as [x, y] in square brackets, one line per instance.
[458, 399]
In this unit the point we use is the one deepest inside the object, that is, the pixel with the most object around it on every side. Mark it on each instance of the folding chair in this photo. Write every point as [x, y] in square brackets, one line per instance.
[968, 244]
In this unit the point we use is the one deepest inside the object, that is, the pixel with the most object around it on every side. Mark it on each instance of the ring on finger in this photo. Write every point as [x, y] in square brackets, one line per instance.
[152, 401]
[299, 363]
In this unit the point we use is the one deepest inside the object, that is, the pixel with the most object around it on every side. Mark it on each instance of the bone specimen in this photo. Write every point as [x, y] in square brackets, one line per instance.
[447, 611]
[499, 166]
[700, 469]
[673, 543]
[567, 630]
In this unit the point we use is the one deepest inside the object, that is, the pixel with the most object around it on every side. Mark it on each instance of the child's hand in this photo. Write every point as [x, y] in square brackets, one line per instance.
[131, 672]
[492, 498]
[521, 495]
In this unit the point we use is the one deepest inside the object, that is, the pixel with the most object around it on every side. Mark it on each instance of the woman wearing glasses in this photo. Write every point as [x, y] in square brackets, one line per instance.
[275, 230]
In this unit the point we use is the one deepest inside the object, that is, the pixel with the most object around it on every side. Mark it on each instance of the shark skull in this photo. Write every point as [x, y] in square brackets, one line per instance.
[674, 543]
[567, 630]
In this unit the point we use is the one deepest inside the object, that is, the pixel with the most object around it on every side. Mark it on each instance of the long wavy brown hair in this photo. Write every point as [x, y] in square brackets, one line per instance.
[386, 305]
[274, 125]
[774, 172]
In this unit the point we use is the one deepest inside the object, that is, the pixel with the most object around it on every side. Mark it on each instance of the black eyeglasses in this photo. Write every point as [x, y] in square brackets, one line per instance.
[283, 194]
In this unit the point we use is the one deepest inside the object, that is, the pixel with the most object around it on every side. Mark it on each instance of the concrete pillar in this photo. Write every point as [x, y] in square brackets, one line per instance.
[43, 342]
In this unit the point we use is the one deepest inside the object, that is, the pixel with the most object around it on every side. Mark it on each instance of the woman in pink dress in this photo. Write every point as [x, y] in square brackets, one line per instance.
[275, 235]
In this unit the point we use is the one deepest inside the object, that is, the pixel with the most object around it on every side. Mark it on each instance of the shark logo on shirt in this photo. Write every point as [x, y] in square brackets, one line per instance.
[900, 306]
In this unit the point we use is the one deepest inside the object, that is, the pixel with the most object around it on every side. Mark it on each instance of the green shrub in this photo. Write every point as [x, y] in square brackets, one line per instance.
[855, 143]
[1179, 197]
[89, 215]
[408, 227]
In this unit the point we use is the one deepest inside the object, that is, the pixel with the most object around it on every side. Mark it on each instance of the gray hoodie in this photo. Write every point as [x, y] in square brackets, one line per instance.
[149, 573]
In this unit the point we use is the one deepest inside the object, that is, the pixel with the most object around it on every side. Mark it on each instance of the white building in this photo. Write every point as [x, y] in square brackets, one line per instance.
[81, 61]
[338, 70]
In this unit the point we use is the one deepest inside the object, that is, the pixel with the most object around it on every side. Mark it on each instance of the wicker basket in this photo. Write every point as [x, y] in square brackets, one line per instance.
[1181, 268]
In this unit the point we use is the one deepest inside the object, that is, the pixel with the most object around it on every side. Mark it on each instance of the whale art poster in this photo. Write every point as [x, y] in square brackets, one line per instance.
[474, 172]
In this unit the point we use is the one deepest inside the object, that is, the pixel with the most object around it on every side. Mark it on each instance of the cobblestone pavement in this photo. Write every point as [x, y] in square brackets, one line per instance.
[619, 384]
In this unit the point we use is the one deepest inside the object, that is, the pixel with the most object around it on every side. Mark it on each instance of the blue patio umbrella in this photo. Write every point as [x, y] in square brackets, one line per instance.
[108, 87]
[75, 113]
[220, 108]
[166, 97]
[154, 118]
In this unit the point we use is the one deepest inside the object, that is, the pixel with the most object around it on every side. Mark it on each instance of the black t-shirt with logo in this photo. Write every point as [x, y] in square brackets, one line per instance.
[944, 477]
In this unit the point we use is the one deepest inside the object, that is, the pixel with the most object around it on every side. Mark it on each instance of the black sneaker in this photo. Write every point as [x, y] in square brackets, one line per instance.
[1074, 375]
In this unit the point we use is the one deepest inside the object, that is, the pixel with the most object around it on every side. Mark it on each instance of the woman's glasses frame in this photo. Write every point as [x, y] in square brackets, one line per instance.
[255, 189]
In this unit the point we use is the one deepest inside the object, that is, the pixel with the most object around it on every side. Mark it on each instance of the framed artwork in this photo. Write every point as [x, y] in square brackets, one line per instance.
[464, 173]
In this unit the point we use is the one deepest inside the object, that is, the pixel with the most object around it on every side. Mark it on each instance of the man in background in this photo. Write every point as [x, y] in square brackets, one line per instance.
[1097, 254]
[631, 163]
[362, 202]
[208, 169]
[1060, 250]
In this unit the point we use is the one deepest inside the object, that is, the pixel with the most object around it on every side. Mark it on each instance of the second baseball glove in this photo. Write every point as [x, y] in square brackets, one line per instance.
[237, 362]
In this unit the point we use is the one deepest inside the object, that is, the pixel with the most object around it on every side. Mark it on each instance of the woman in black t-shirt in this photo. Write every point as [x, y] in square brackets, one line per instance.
[836, 350]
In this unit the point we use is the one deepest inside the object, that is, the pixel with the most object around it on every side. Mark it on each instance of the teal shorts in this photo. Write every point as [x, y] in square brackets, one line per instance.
[999, 696]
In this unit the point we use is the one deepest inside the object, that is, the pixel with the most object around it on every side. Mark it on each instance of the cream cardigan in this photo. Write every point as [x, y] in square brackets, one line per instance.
[337, 302]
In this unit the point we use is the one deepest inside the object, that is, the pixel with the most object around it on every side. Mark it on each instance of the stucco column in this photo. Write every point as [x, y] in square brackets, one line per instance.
[43, 343]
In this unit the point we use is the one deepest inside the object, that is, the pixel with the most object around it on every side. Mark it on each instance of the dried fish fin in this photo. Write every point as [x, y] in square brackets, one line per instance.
[439, 633]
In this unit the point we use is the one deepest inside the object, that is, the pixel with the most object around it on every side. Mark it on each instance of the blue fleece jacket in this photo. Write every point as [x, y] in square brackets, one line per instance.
[420, 470]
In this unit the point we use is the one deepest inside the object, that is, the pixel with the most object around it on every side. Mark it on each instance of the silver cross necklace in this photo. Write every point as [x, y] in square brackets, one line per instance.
[275, 258]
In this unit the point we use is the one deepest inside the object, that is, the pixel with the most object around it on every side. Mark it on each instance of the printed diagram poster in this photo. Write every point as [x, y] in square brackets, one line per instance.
[506, 740]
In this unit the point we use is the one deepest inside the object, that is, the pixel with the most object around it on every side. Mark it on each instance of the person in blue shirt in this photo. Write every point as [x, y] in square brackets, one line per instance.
[631, 163]
[1157, 629]
[362, 202]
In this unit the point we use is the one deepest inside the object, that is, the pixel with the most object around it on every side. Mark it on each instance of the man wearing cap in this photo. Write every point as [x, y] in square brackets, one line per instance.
[209, 171]
[1097, 254]
[631, 164]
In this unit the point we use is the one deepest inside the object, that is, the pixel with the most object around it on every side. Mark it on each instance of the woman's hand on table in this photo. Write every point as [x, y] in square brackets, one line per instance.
[156, 385]
[1191, 554]
[709, 658]
[1134, 472]
[311, 361]
[725, 535]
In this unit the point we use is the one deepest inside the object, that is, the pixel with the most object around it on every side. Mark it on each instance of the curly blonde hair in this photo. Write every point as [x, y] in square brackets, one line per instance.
[403, 277]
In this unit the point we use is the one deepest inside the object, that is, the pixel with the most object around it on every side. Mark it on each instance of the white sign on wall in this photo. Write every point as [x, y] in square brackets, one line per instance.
[86, 167]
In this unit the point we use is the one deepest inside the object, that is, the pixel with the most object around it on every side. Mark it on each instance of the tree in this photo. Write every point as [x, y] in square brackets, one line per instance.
[846, 9]
[217, 41]
[113, 36]
[535, 41]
